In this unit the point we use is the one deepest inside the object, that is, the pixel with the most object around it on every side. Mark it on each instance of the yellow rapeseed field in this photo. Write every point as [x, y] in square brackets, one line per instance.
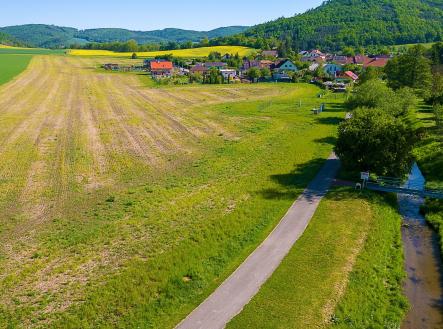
[12, 47]
[194, 52]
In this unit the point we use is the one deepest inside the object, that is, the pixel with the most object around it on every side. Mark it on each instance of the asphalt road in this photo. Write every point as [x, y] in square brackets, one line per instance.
[234, 293]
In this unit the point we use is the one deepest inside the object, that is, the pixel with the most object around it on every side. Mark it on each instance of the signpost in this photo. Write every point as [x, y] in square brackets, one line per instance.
[364, 177]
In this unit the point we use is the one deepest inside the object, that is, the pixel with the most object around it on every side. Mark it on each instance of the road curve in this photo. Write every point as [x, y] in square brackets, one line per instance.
[234, 293]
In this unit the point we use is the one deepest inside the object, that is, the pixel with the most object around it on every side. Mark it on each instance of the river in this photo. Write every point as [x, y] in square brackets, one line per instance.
[424, 283]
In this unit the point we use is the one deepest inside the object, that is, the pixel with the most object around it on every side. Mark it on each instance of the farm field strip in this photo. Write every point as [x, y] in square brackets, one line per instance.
[194, 52]
[11, 65]
[99, 173]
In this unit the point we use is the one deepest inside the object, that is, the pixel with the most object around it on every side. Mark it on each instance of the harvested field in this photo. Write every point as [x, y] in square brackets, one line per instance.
[117, 198]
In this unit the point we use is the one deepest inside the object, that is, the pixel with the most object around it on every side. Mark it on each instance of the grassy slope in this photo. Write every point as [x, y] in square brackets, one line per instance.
[194, 52]
[304, 290]
[12, 65]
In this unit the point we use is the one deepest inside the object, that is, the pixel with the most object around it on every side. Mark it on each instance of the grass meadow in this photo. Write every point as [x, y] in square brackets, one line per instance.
[125, 206]
[12, 65]
[344, 272]
[30, 51]
[185, 53]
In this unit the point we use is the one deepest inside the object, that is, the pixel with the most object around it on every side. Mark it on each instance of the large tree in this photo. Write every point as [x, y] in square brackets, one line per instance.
[376, 94]
[254, 74]
[413, 70]
[373, 140]
[436, 53]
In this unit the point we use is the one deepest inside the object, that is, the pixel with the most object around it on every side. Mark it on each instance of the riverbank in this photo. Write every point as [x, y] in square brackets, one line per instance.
[429, 155]
[423, 262]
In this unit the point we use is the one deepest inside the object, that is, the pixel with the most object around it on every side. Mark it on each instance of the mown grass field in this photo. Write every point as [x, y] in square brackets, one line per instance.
[345, 271]
[185, 53]
[124, 206]
[12, 65]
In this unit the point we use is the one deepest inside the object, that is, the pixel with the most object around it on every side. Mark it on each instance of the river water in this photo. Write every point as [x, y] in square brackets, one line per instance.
[424, 283]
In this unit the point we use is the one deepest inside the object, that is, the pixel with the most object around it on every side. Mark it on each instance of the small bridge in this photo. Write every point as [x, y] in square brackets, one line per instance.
[395, 185]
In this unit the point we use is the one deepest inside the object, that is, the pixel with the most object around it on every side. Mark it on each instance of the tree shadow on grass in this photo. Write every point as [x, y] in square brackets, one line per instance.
[335, 107]
[292, 183]
[327, 140]
[329, 121]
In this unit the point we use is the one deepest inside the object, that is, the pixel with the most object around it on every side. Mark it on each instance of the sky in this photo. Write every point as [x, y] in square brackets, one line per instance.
[147, 15]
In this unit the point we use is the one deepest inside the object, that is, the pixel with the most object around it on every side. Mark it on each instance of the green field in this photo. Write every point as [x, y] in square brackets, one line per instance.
[374, 295]
[352, 248]
[12, 65]
[125, 206]
[30, 51]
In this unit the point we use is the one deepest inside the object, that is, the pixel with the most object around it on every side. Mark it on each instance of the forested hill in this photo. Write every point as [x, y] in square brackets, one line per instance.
[7, 40]
[41, 35]
[339, 23]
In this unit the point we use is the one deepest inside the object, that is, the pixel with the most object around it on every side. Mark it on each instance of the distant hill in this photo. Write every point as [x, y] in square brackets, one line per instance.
[339, 23]
[8, 40]
[41, 35]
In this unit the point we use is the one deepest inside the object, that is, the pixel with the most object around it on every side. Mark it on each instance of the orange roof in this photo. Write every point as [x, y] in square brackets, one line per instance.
[161, 66]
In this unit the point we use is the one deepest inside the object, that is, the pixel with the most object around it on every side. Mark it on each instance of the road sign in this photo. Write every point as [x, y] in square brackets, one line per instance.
[365, 176]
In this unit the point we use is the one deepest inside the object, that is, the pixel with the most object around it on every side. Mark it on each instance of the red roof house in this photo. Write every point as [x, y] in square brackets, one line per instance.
[352, 75]
[161, 65]
[163, 68]
[377, 62]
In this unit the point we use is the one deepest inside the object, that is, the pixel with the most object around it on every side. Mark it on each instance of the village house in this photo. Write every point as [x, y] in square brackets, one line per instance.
[199, 68]
[111, 67]
[147, 62]
[332, 69]
[313, 67]
[217, 65]
[280, 70]
[361, 59]
[377, 62]
[342, 60]
[313, 56]
[283, 66]
[261, 64]
[351, 75]
[204, 68]
[161, 68]
[270, 53]
[228, 74]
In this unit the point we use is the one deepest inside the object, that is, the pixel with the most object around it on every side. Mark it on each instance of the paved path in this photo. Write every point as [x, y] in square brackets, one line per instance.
[233, 294]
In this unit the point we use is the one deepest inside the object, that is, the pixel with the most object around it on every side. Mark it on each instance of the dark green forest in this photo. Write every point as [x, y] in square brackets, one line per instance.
[340, 23]
[50, 36]
[8, 40]
[333, 26]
